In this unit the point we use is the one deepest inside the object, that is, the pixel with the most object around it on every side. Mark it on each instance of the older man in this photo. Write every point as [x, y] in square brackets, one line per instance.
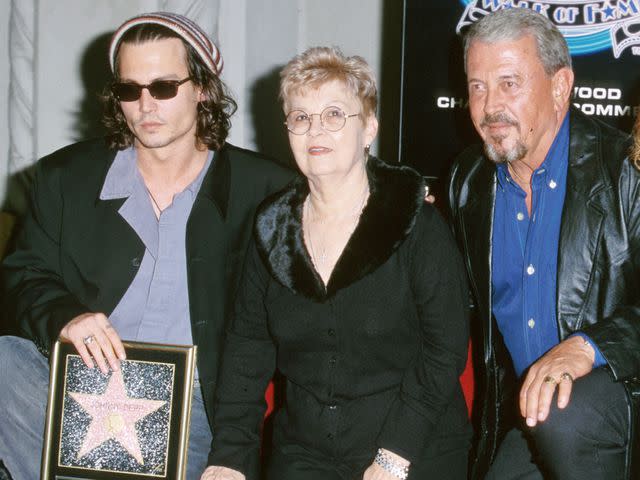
[138, 237]
[548, 217]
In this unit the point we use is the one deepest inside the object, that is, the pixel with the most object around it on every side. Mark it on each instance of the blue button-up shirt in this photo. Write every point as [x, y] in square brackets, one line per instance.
[155, 307]
[525, 255]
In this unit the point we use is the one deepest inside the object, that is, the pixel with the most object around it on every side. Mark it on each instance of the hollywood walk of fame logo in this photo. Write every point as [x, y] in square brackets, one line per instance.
[589, 26]
[118, 422]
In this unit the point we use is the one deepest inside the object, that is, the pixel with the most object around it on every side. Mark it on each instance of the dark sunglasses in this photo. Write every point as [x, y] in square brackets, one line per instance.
[160, 89]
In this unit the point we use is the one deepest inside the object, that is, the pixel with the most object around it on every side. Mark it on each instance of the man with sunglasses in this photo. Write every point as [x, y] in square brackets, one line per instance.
[140, 237]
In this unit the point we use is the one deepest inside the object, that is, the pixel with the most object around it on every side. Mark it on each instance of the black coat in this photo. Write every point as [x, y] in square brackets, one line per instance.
[76, 254]
[598, 286]
[371, 361]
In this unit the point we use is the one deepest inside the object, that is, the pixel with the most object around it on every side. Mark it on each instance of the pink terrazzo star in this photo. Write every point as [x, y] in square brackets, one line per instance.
[113, 415]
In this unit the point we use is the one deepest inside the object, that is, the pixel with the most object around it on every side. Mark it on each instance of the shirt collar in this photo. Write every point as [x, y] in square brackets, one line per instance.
[119, 182]
[558, 155]
[122, 175]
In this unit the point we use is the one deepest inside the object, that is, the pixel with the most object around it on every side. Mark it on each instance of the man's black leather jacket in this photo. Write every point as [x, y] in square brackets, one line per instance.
[598, 272]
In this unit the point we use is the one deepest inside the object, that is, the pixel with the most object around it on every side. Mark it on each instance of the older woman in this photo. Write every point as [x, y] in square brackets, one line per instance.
[355, 291]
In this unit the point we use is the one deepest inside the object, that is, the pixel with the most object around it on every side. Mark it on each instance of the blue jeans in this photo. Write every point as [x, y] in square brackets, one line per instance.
[24, 384]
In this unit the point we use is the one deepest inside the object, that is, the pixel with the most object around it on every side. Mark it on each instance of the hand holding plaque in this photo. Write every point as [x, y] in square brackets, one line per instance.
[96, 340]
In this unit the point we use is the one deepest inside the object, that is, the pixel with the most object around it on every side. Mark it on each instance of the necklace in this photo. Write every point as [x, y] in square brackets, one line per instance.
[323, 253]
[321, 260]
[155, 204]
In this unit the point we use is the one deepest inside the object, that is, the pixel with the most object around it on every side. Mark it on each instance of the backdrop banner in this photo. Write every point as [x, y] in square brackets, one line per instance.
[603, 37]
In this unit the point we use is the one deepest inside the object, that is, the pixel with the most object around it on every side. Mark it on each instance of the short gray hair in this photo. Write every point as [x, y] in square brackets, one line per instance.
[319, 65]
[515, 23]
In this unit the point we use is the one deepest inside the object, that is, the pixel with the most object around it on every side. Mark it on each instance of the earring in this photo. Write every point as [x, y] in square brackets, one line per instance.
[367, 147]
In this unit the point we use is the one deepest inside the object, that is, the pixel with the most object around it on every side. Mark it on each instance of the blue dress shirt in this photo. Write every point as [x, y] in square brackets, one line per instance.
[525, 256]
[155, 307]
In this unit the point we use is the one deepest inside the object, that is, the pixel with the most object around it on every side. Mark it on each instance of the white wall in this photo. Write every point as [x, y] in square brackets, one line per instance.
[256, 38]
[4, 93]
[60, 89]
[274, 31]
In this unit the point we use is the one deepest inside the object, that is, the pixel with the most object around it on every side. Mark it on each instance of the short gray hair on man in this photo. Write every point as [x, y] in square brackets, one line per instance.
[514, 23]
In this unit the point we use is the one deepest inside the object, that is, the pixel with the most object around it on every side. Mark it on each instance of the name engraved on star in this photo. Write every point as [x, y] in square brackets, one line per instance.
[119, 422]
[113, 416]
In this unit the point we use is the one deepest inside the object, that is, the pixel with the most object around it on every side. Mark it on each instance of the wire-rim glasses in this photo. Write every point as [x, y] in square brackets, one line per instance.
[332, 119]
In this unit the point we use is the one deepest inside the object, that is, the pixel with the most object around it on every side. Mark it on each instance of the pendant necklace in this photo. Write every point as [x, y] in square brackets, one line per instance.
[155, 204]
[323, 253]
[322, 258]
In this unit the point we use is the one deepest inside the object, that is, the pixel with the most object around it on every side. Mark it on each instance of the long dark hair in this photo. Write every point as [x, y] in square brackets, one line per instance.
[214, 112]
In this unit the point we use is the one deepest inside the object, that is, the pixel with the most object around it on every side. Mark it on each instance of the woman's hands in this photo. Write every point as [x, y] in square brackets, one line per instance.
[376, 472]
[214, 472]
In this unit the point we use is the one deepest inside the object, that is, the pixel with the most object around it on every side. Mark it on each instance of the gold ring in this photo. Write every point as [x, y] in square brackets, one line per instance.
[549, 379]
[566, 376]
[88, 339]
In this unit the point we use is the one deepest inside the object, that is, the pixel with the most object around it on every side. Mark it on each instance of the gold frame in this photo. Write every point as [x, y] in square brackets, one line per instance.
[180, 415]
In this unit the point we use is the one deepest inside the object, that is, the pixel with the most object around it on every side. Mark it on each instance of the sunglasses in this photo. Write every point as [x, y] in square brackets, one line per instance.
[160, 89]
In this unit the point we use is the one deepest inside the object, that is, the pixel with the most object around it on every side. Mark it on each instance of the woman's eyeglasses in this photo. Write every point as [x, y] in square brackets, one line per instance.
[332, 119]
[160, 89]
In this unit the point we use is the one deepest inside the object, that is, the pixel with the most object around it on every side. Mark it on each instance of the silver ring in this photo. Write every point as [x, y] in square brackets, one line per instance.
[88, 339]
[566, 376]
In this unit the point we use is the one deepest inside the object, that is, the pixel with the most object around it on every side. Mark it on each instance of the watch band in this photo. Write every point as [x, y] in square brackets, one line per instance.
[388, 464]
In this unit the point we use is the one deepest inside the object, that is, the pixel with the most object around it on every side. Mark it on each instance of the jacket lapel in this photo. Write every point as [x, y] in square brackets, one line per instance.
[206, 239]
[582, 217]
[216, 184]
[103, 281]
[476, 217]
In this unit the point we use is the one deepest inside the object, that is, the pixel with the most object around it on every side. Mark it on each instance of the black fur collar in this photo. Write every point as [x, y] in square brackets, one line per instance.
[397, 195]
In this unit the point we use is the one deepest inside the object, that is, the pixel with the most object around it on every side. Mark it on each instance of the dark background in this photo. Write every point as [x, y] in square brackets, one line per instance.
[430, 137]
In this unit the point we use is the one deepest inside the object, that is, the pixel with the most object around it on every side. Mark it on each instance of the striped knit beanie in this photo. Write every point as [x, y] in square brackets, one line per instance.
[188, 30]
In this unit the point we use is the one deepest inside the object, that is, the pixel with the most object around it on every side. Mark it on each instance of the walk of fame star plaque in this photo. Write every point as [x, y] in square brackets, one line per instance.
[131, 423]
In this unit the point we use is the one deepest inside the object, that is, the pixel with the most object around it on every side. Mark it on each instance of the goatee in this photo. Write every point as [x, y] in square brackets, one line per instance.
[518, 152]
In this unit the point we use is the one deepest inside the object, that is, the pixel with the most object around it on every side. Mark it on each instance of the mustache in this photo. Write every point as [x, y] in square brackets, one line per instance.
[499, 117]
[149, 118]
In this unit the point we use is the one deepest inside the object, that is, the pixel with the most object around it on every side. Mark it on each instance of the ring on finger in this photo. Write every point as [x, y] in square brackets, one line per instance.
[566, 376]
[88, 339]
[549, 379]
